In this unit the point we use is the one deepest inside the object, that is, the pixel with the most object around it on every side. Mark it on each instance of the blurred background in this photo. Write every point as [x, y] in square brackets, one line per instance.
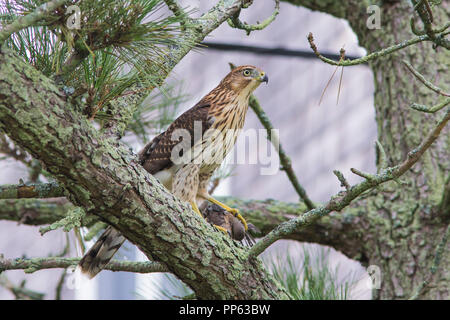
[317, 138]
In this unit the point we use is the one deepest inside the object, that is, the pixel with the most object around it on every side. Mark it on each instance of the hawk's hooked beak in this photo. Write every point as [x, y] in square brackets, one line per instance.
[263, 77]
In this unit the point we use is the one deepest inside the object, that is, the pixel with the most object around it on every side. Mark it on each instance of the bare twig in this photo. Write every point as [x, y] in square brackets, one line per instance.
[433, 109]
[364, 175]
[380, 156]
[341, 179]
[234, 22]
[422, 79]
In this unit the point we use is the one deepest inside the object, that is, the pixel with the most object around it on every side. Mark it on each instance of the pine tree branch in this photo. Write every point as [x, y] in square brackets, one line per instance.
[343, 199]
[30, 19]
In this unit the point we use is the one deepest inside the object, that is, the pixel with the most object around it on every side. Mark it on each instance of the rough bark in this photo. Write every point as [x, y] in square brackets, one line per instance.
[335, 230]
[405, 222]
[103, 177]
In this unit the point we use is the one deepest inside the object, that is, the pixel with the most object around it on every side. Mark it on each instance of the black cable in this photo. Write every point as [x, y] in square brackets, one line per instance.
[267, 51]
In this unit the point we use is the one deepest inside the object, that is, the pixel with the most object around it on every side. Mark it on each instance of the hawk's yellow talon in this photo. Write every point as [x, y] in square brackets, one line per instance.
[238, 215]
[234, 211]
[221, 229]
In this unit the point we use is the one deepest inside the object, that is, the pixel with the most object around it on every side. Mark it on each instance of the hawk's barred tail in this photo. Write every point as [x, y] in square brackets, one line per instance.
[101, 252]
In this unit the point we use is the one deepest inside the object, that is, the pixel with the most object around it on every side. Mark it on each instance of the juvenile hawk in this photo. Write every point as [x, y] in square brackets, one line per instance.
[185, 156]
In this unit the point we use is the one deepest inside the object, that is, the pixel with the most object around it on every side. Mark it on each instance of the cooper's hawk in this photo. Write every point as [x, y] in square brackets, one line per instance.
[184, 157]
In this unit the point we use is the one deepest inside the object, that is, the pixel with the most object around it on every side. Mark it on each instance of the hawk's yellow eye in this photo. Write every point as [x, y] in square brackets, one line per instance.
[246, 73]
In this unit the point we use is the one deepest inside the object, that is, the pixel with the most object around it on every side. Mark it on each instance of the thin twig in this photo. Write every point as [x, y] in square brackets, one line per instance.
[422, 79]
[286, 164]
[234, 22]
[20, 292]
[425, 13]
[364, 175]
[342, 179]
[433, 109]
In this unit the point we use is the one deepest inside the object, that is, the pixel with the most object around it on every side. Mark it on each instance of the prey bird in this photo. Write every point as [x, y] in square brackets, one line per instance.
[217, 216]
[184, 157]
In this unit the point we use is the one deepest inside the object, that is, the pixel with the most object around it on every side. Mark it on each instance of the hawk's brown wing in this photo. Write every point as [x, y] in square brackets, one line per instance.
[155, 156]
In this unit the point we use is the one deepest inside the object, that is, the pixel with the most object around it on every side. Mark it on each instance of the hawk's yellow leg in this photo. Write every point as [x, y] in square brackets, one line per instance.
[234, 211]
[197, 210]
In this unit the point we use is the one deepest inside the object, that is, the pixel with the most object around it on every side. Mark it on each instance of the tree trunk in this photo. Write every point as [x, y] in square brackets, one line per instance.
[404, 222]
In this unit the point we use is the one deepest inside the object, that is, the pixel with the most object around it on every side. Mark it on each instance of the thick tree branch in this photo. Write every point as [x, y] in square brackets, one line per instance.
[103, 177]
[336, 230]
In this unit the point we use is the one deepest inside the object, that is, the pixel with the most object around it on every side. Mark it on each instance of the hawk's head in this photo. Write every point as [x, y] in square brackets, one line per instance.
[245, 79]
